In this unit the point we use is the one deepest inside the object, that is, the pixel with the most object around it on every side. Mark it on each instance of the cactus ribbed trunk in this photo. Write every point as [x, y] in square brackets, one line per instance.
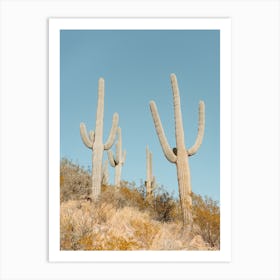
[180, 154]
[97, 154]
[118, 171]
[185, 191]
[118, 161]
[150, 179]
[182, 163]
[94, 141]
[105, 174]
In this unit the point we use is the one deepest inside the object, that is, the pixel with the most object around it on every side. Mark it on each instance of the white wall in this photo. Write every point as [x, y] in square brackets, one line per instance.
[24, 134]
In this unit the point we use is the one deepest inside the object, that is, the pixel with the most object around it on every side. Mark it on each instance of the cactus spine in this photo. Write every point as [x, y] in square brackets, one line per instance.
[150, 182]
[180, 154]
[94, 141]
[118, 161]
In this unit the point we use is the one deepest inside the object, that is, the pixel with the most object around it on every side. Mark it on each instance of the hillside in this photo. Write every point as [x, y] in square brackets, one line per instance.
[123, 220]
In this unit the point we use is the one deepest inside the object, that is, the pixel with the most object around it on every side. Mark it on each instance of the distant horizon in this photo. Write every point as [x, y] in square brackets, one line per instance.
[136, 66]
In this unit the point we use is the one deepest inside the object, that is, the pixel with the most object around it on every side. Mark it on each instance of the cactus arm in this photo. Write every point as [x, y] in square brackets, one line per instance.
[151, 165]
[111, 158]
[119, 146]
[148, 173]
[86, 140]
[91, 136]
[99, 112]
[201, 127]
[124, 157]
[160, 132]
[153, 183]
[179, 129]
[118, 160]
[112, 135]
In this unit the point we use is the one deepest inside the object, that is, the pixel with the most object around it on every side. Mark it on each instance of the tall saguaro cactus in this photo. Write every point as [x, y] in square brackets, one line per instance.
[180, 154]
[118, 161]
[94, 141]
[150, 182]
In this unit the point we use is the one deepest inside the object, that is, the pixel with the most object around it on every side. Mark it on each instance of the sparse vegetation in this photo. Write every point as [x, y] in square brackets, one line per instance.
[125, 220]
[75, 181]
[206, 214]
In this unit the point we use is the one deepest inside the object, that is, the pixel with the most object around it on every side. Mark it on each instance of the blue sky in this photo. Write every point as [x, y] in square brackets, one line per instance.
[136, 66]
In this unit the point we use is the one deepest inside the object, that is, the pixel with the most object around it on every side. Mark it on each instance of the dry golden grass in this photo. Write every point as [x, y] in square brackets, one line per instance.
[123, 220]
[88, 226]
[206, 215]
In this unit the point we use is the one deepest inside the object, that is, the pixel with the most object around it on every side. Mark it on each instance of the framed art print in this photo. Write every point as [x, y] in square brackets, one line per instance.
[195, 80]
[140, 139]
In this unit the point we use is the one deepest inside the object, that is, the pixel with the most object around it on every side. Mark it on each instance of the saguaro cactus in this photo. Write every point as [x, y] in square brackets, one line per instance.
[105, 174]
[94, 141]
[150, 182]
[118, 161]
[180, 154]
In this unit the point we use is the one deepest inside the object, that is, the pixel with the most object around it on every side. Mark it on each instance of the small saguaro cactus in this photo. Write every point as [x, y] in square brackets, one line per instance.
[180, 154]
[150, 182]
[105, 174]
[94, 141]
[118, 161]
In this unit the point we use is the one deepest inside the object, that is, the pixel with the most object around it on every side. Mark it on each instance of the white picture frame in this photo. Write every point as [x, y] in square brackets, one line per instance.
[224, 27]
[24, 104]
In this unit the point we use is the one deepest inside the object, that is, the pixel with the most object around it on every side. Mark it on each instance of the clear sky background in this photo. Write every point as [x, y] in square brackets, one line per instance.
[136, 66]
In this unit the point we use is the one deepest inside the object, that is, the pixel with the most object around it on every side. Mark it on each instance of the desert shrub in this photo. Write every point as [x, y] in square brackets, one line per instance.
[122, 219]
[77, 219]
[165, 207]
[130, 193]
[122, 197]
[114, 242]
[162, 206]
[75, 181]
[206, 214]
[88, 226]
